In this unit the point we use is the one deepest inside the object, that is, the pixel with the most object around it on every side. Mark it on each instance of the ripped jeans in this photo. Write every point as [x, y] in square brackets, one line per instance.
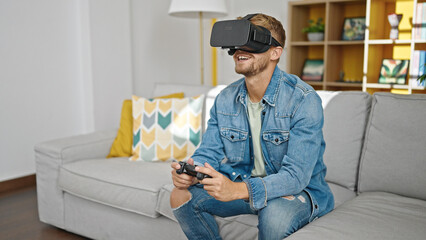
[280, 218]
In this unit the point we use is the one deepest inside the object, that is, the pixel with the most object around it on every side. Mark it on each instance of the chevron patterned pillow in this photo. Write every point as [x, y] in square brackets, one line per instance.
[166, 129]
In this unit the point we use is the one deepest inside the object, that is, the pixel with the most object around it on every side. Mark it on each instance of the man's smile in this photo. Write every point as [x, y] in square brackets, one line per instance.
[241, 57]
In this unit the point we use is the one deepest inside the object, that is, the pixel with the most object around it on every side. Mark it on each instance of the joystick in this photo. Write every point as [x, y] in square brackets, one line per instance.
[190, 170]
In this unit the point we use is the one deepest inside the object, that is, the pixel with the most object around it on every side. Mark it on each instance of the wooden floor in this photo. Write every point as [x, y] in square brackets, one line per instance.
[19, 218]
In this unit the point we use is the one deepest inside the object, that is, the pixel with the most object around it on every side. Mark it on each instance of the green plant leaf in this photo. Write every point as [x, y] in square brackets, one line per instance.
[314, 26]
[422, 78]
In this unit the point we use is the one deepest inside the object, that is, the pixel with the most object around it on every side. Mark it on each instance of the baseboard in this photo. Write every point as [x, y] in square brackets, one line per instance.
[18, 183]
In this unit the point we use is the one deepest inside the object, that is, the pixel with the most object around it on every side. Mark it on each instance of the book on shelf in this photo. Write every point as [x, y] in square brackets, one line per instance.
[423, 22]
[420, 22]
[417, 68]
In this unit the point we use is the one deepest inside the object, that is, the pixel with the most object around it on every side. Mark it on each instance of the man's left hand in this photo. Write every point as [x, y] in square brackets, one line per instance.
[221, 187]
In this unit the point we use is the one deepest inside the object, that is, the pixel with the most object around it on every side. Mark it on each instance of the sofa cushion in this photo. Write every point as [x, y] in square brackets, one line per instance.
[341, 194]
[166, 129]
[394, 153]
[345, 119]
[131, 186]
[374, 215]
[240, 227]
[122, 145]
[163, 202]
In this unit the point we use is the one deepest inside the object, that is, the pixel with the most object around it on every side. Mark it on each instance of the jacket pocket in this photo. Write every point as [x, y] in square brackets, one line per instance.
[234, 141]
[276, 143]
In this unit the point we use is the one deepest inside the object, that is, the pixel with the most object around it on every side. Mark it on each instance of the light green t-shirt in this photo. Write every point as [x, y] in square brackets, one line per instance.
[254, 112]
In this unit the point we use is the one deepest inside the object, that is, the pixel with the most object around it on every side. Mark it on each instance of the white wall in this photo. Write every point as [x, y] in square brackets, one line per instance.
[65, 69]
[165, 48]
[66, 66]
[40, 91]
[111, 59]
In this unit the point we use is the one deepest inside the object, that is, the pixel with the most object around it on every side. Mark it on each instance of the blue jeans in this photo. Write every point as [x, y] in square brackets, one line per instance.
[280, 218]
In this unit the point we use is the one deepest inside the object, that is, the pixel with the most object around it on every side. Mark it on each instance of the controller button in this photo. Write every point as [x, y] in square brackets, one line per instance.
[233, 173]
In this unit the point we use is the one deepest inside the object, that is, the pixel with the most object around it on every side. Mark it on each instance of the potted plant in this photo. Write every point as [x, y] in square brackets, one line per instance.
[422, 78]
[315, 30]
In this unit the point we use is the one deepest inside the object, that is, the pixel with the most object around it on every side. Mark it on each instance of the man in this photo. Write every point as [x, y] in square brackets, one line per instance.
[263, 149]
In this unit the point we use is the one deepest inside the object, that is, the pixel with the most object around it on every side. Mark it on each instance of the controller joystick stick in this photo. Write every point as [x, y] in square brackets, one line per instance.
[190, 170]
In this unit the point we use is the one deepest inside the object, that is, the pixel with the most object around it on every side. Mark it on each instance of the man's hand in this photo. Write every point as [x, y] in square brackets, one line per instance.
[182, 181]
[221, 187]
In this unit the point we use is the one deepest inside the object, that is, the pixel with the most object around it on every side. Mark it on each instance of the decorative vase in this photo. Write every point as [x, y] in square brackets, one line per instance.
[394, 20]
[315, 36]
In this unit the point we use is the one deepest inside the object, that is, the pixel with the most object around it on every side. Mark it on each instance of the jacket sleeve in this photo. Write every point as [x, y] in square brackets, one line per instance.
[304, 150]
[211, 148]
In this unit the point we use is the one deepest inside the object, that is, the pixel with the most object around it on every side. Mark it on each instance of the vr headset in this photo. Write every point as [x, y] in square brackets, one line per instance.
[242, 35]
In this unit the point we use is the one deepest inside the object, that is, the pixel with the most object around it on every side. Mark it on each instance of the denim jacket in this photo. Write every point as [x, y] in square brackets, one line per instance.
[291, 140]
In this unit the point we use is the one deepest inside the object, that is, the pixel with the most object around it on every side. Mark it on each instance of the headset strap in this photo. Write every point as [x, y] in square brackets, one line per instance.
[250, 16]
[272, 41]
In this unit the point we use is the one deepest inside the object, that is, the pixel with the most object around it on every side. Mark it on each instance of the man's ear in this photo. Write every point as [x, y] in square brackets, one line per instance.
[276, 53]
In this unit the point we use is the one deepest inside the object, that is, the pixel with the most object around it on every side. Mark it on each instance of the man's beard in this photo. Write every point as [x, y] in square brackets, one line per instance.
[253, 69]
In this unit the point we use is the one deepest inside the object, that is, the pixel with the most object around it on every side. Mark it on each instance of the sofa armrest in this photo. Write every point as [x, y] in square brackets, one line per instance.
[92, 145]
[51, 155]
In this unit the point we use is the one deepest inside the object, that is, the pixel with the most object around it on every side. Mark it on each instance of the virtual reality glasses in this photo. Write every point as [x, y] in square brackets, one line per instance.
[242, 35]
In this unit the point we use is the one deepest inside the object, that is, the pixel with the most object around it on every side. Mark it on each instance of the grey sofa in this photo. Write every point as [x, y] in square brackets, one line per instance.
[375, 154]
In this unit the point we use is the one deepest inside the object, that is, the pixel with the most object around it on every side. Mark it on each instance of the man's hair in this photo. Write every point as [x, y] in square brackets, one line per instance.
[272, 24]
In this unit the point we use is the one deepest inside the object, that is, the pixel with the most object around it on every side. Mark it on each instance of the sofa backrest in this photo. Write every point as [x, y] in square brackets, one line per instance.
[394, 152]
[210, 97]
[345, 120]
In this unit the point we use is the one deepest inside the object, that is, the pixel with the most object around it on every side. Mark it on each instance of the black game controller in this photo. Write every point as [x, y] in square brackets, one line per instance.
[190, 170]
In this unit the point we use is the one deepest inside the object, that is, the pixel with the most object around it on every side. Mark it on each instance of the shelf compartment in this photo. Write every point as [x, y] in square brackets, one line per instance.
[347, 59]
[300, 13]
[340, 10]
[303, 53]
[379, 27]
[376, 53]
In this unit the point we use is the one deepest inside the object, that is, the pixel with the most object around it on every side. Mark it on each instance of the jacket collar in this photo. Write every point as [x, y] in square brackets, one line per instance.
[271, 91]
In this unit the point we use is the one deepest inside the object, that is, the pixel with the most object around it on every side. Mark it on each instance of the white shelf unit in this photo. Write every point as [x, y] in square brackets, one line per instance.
[366, 84]
[362, 71]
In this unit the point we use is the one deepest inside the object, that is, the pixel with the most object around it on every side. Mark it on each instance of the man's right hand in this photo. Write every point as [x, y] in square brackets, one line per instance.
[182, 181]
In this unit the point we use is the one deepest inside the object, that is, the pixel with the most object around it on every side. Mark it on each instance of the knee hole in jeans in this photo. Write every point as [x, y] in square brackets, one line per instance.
[179, 197]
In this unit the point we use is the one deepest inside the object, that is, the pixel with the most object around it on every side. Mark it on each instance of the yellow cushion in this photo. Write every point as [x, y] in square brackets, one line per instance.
[122, 145]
